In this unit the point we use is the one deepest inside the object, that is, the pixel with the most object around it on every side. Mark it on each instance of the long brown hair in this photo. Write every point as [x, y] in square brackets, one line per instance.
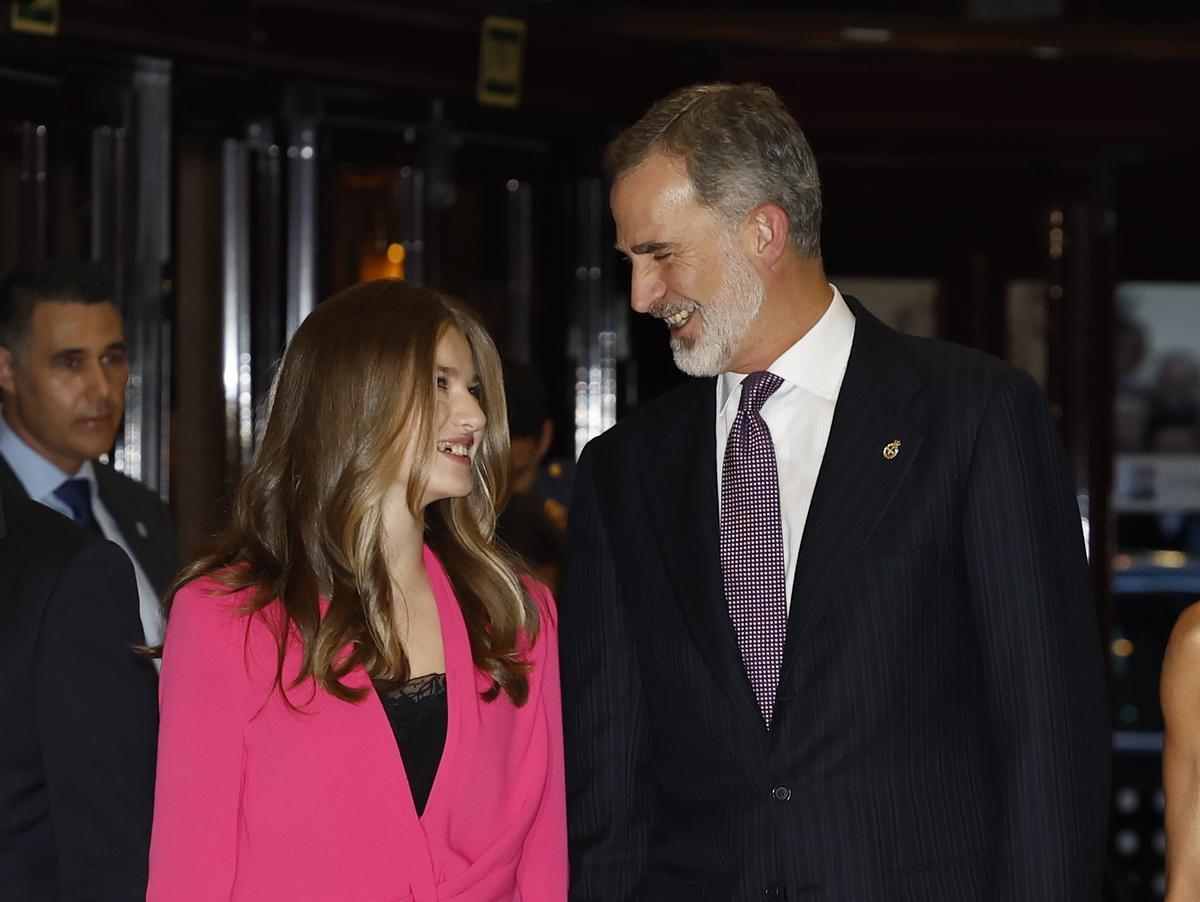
[354, 392]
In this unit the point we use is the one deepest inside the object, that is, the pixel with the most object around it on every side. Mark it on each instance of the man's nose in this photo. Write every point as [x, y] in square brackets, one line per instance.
[96, 381]
[646, 289]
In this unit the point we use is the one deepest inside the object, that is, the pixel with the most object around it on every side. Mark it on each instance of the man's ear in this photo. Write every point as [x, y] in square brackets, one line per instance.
[8, 371]
[766, 235]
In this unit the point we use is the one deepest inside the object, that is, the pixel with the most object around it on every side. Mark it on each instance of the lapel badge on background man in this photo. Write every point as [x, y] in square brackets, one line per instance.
[145, 533]
[891, 450]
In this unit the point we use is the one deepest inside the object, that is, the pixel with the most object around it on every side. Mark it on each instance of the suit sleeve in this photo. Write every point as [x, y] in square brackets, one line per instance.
[204, 699]
[1043, 663]
[542, 874]
[610, 793]
[96, 719]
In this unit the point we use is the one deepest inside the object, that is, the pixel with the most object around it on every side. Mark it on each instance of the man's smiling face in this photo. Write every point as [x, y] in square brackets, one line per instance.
[687, 267]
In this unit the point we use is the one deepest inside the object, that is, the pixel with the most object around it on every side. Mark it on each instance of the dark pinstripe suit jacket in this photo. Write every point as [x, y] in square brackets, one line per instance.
[941, 730]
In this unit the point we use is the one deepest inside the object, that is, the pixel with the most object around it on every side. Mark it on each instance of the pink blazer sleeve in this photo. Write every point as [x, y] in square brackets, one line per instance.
[204, 703]
[542, 873]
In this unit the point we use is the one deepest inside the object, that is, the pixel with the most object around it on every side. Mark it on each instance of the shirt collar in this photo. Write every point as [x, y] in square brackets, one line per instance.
[815, 363]
[39, 477]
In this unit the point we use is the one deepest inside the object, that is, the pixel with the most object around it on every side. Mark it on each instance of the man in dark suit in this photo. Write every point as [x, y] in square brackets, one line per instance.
[827, 632]
[79, 714]
[63, 371]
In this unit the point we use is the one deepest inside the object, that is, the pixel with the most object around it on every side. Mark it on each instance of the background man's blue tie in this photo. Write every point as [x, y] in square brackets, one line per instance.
[77, 495]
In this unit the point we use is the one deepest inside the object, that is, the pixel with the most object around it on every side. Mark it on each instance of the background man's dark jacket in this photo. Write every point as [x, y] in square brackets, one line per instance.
[78, 713]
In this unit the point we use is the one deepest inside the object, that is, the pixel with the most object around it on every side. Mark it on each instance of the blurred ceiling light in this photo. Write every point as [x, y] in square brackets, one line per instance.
[376, 262]
[1169, 559]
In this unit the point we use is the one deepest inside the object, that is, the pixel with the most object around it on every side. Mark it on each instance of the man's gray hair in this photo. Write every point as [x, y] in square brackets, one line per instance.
[741, 147]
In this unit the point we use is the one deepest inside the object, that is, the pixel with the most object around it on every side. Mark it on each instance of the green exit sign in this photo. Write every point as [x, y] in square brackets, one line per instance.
[35, 16]
[501, 60]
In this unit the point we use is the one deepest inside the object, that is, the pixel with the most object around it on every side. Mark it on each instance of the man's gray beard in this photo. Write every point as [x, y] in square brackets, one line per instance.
[724, 321]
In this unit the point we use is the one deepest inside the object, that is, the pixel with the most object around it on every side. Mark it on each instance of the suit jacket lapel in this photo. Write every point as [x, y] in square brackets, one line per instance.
[134, 529]
[10, 485]
[880, 402]
[680, 485]
[117, 503]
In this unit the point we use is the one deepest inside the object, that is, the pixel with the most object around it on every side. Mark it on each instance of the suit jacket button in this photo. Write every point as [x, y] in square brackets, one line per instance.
[781, 793]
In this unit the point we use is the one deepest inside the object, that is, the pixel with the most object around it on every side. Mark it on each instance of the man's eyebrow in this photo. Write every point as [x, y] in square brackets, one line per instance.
[651, 247]
[71, 349]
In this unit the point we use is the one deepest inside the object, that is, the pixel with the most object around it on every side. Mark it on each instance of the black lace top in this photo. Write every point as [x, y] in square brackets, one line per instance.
[417, 713]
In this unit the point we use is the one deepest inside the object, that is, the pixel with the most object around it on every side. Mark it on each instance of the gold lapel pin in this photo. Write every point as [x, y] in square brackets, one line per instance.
[891, 450]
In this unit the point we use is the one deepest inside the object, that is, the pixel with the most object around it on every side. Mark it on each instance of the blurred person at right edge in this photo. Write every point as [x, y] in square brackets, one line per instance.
[360, 695]
[827, 631]
[1180, 692]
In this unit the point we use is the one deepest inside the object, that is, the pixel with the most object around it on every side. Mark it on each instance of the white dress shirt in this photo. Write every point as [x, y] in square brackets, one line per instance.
[40, 478]
[799, 414]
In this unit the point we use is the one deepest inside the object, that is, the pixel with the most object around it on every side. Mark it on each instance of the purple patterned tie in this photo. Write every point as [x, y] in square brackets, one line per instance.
[752, 542]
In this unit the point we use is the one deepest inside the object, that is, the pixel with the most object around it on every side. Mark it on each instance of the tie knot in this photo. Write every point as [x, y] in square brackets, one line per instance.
[756, 388]
[76, 494]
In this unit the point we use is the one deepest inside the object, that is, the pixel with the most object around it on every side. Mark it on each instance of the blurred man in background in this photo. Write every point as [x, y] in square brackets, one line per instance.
[63, 371]
[534, 523]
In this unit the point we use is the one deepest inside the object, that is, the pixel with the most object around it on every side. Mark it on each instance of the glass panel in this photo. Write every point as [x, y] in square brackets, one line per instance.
[1156, 418]
[1027, 326]
[906, 304]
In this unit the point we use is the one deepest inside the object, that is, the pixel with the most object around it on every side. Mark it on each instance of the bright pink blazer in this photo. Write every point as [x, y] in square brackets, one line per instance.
[257, 802]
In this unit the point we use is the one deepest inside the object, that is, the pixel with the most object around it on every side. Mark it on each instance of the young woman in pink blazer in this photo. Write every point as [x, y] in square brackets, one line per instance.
[359, 694]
